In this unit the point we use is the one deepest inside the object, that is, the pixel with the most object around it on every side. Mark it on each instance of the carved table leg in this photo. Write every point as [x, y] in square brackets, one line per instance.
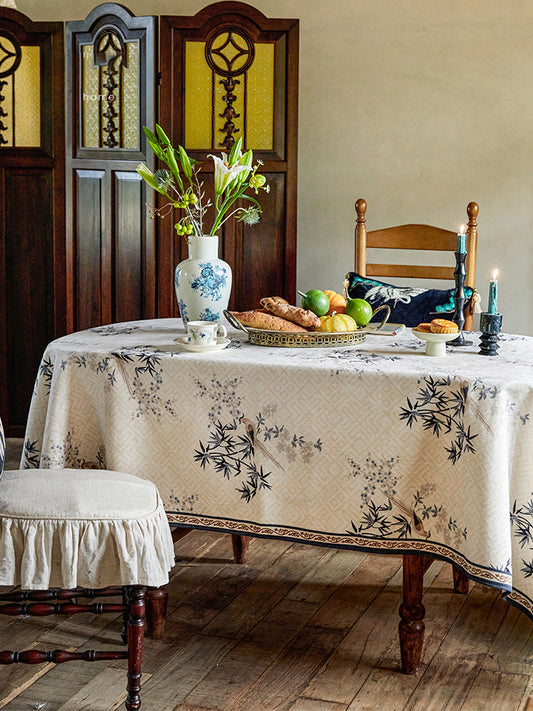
[156, 611]
[412, 613]
[240, 548]
[460, 581]
[135, 597]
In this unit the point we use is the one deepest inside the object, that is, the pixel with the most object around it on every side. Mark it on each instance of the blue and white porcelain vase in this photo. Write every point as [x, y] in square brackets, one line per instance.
[203, 281]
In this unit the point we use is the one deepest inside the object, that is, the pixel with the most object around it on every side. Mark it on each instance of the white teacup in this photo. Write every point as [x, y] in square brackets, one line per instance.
[205, 333]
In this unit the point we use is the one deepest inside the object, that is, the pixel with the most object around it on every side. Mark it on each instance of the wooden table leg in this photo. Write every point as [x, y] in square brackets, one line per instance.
[178, 532]
[412, 613]
[240, 545]
[156, 612]
[460, 581]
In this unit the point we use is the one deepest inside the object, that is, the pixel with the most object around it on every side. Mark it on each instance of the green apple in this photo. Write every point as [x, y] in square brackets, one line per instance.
[316, 301]
[360, 310]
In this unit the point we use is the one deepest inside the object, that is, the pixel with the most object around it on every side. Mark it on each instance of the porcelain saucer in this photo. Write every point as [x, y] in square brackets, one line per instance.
[196, 348]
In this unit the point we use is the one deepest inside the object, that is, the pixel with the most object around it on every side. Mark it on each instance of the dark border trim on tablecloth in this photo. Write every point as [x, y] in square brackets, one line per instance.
[474, 571]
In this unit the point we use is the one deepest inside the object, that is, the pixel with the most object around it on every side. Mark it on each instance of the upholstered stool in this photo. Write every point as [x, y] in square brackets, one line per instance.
[84, 533]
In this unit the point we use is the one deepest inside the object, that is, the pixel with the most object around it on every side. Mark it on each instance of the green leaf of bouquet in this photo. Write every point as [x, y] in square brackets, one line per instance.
[185, 162]
[149, 134]
[235, 150]
[154, 145]
[251, 199]
[162, 135]
[170, 160]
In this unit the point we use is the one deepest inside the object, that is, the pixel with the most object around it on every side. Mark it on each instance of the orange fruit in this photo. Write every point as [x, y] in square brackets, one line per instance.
[337, 302]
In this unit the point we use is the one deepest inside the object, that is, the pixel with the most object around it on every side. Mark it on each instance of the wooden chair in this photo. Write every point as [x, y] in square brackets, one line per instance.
[67, 534]
[416, 237]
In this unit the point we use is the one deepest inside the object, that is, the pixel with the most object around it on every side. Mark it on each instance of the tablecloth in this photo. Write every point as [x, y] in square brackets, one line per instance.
[376, 446]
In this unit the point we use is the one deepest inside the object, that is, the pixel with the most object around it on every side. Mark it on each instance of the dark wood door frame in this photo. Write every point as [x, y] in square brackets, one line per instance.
[32, 229]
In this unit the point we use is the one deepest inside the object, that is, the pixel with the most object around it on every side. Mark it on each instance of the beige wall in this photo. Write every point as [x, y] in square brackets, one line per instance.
[420, 106]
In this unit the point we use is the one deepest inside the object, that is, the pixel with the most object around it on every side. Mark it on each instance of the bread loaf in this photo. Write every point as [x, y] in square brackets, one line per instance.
[280, 307]
[256, 318]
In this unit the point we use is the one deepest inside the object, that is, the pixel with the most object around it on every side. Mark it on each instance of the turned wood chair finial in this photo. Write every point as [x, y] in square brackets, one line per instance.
[360, 208]
[472, 211]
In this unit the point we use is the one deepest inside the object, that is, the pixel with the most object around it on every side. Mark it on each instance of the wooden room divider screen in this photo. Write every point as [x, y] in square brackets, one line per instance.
[226, 72]
[32, 205]
[78, 245]
[111, 257]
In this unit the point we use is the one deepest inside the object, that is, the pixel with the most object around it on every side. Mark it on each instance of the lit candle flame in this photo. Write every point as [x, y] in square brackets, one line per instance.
[462, 230]
[495, 275]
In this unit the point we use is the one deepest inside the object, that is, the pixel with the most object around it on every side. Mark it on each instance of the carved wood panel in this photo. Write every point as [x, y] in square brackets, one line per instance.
[237, 59]
[110, 236]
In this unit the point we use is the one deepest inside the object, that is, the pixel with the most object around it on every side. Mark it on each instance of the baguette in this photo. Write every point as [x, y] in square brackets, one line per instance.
[280, 307]
[255, 318]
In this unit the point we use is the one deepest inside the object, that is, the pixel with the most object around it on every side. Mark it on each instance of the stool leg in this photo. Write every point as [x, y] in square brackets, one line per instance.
[125, 617]
[135, 597]
[412, 613]
[156, 612]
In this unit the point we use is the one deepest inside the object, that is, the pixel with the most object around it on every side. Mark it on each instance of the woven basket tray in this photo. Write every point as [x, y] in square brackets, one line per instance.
[289, 339]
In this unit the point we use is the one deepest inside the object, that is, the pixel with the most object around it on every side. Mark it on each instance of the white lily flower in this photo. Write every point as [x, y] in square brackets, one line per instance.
[224, 173]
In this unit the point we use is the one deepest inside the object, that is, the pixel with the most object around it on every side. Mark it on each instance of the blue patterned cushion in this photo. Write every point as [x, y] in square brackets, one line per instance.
[409, 305]
[2, 449]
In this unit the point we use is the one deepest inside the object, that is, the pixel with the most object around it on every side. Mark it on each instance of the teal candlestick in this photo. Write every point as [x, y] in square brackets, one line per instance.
[461, 243]
[493, 294]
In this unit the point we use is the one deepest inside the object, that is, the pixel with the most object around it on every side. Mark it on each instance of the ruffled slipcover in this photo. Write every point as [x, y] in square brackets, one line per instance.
[82, 528]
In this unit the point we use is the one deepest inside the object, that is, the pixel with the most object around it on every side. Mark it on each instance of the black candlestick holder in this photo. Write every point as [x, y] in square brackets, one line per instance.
[490, 326]
[459, 299]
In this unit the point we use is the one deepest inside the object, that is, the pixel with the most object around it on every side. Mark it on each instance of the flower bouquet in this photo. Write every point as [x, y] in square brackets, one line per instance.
[180, 184]
[203, 281]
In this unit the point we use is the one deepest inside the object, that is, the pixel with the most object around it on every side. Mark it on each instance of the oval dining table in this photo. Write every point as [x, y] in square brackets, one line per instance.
[375, 447]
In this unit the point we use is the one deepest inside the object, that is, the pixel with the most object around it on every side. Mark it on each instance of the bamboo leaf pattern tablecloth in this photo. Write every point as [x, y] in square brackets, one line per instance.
[375, 447]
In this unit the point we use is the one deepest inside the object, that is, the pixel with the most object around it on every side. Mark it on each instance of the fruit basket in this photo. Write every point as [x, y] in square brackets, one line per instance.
[289, 339]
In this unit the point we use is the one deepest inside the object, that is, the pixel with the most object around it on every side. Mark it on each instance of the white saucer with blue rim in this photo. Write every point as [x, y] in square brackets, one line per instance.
[197, 348]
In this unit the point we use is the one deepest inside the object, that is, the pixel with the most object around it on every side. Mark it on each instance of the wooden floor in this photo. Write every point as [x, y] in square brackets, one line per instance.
[300, 628]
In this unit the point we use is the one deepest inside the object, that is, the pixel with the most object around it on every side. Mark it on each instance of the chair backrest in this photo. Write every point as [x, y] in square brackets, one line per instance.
[415, 237]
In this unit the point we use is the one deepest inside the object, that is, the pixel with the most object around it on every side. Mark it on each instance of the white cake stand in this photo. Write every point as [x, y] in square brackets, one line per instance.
[435, 342]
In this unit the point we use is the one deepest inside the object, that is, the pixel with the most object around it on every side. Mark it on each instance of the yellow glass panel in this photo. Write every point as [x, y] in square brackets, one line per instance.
[7, 104]
[130, 97]
[260, 95]
[90, 103]
[233, 52]
[27, 109]
[220, 40]
[198, 101]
